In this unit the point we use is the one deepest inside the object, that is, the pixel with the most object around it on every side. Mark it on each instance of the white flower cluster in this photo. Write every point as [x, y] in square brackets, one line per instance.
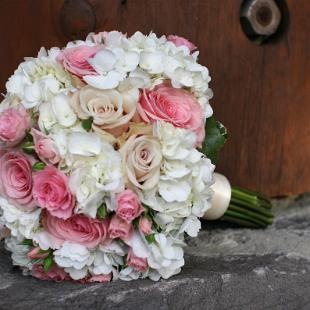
[119, 119]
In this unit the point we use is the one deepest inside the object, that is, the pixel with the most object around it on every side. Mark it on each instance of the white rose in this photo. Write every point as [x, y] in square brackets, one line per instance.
[22, 224]
[142, 159]
[75, 258]
[108, 108]
[166, 255]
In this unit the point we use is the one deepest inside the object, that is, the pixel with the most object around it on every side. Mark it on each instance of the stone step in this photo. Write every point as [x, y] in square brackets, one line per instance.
[226, 268]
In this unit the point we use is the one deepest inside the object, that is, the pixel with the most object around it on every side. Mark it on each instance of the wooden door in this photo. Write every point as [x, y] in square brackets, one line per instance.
[261, 92]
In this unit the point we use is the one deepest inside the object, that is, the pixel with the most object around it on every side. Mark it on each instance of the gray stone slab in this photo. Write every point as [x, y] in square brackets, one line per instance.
[226, 268]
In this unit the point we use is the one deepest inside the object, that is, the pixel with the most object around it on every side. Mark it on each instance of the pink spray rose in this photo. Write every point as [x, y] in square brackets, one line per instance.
[77, 229]
[99, 278]
[45, 147]
[14, 123]
[16, 179]
[137, 263]
[180, 41]
[36, 253]
[55, 273]
[128, 205]
[172, 105]
[74, 59]
[145, 226]
[51, 191]
[119, 228]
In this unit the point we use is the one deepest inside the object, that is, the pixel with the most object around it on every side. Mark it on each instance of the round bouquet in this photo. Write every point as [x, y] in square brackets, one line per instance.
[101, 169]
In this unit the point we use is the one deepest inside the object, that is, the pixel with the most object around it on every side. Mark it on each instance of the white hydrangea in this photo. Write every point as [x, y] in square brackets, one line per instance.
[38, 80]
[19, 252]
[202, 181]
[74, 258]
[107, 258]
[21, 224]
[94, 179]
[166, 255]
[177, 143]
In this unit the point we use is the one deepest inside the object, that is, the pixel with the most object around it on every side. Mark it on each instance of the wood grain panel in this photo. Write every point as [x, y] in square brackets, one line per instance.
[261, 92]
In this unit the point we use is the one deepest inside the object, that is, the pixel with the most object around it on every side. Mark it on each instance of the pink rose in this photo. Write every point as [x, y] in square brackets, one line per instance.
[77, 229]
[75, 59]
[172, 105]
[99, 278]
[14, 123]
[51, 191]
[145, 226]
[180, 41]
[119, 228]
[36, 253]
[128, 205]
[16, 179]
[45, 147]
[55, 273]
[137, 263]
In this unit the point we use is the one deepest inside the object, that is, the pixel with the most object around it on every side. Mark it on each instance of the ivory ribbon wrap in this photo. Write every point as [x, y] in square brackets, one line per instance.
[221, 197]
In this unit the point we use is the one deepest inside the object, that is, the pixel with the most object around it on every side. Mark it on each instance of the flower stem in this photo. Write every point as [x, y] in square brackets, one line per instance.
[249, 209]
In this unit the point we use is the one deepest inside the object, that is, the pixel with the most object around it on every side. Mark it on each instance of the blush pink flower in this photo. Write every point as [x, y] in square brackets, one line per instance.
[172, 105]
[16, 181]
[75, 59]
[51, 191]
[145, 226]
[99, 278]
[45, 147]
[180, 41]
[77, 229]
[36, 253]
[128, 206]
[14, 123]
[137, 263]
[55, 273]
[119, 228]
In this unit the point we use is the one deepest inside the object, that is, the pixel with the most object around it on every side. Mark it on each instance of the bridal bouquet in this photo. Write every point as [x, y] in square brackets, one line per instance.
[104, 160]
[100, 170]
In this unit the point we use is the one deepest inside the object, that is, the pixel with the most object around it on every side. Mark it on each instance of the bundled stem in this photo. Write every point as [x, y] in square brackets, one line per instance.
[249, 209]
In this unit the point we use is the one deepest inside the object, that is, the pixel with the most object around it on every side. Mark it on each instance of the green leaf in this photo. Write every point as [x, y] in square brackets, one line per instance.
[150, 238]
[87, 123]
[135, 223]
[28, 147]
[38, 166]
[102, 212]
[216, 136]
[48, 262]
[27, 242]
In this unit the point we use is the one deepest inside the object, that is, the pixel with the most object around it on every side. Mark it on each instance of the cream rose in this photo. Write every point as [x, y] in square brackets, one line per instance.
[110, 109]
[142, 157]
